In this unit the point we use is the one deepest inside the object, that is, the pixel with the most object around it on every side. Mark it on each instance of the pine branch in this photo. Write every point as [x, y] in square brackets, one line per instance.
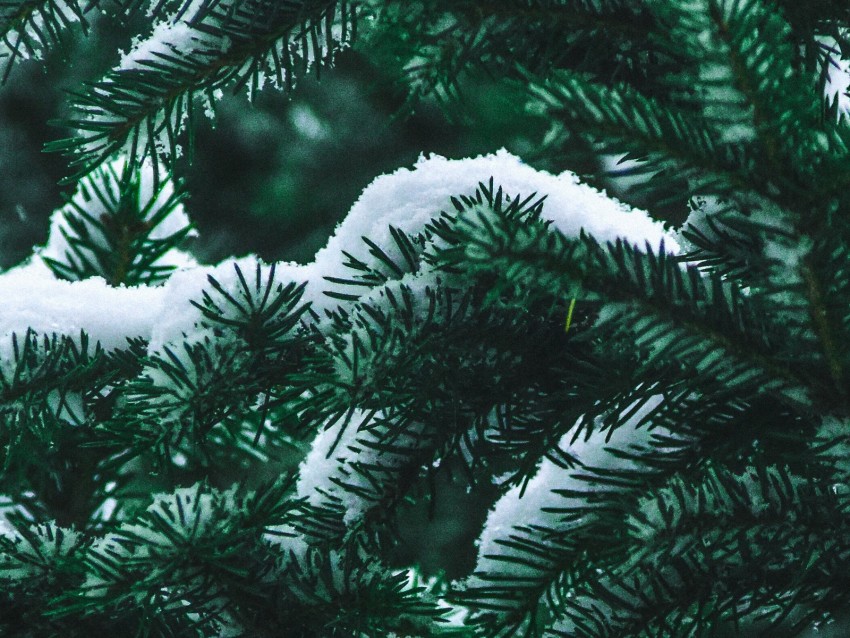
[767, 100]
[647, 295]
[124, 223]
[669, 141]
[539, 535]
[335, 597]
[668, 433]
[29, 28]
[737, 116]
[214, 393]
[142, 106]
[688, 573]
[51, 382]
[444, 42]
[260, 310]
[203, 542]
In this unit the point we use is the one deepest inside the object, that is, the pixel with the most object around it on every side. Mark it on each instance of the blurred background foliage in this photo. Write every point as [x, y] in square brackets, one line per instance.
[272, 177]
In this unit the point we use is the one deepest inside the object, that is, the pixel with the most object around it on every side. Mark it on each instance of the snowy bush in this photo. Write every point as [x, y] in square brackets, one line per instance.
[651, 402]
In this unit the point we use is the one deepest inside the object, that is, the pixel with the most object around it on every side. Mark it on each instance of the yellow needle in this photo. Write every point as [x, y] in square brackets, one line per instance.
[570, 315]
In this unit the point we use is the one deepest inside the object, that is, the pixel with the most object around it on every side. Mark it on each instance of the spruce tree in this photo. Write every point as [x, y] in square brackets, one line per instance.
[650, 394]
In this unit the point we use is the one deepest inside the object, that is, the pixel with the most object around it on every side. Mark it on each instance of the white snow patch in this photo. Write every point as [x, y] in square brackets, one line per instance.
[322, 461]
[103, 183]
[167, 39]
[518, 507]
[169, 36]
[838, 76]
[341, 453]
[182, 318]
[34, 298]
[407, 199]
[410, 198]
[344, 452]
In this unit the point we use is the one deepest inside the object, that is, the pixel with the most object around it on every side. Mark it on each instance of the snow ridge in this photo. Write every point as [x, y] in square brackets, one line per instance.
[406, 199]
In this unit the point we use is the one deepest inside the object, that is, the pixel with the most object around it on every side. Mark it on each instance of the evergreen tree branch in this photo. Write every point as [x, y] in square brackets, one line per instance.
[706, 581]
[123, 224]
[773, 105]
[198, 540]
[455, 39]
[142, 106]
[537, 538]
[826, 331]
[29, 28]
[620, 119]
[713, 321]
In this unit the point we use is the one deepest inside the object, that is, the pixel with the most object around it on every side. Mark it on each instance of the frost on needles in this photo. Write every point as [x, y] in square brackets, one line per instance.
[383, 358]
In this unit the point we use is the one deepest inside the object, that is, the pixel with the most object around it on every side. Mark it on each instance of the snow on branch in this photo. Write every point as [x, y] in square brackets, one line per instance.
[410, 198]
[406, 200]
[123, 223]
[34, 298]
[349, 470]
[837, 75]
[524, 547]
[143, 104]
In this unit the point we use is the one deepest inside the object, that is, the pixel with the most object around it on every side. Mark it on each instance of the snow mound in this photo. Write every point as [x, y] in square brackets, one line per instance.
[34, 298]
[406, 199]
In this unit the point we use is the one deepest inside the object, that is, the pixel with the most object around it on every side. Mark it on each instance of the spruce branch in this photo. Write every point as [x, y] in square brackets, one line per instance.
[538, 538]
[714, 322]
[453, 40]
[826, 331]
[201, 407]
[52, 382]
[669, 141]
[37, 563]
[29, 28]
[672, 461]
[196, 539]
[335, 597]
[688, 572]
[142, 106]
[363, 465]
[768, 99]
[124, 223]
[215, 393]
[261, 311]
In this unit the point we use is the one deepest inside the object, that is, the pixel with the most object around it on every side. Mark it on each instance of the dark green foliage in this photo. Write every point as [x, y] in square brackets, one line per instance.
[29, 27]
[113, 227]
[671, 460]
[140, 108]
